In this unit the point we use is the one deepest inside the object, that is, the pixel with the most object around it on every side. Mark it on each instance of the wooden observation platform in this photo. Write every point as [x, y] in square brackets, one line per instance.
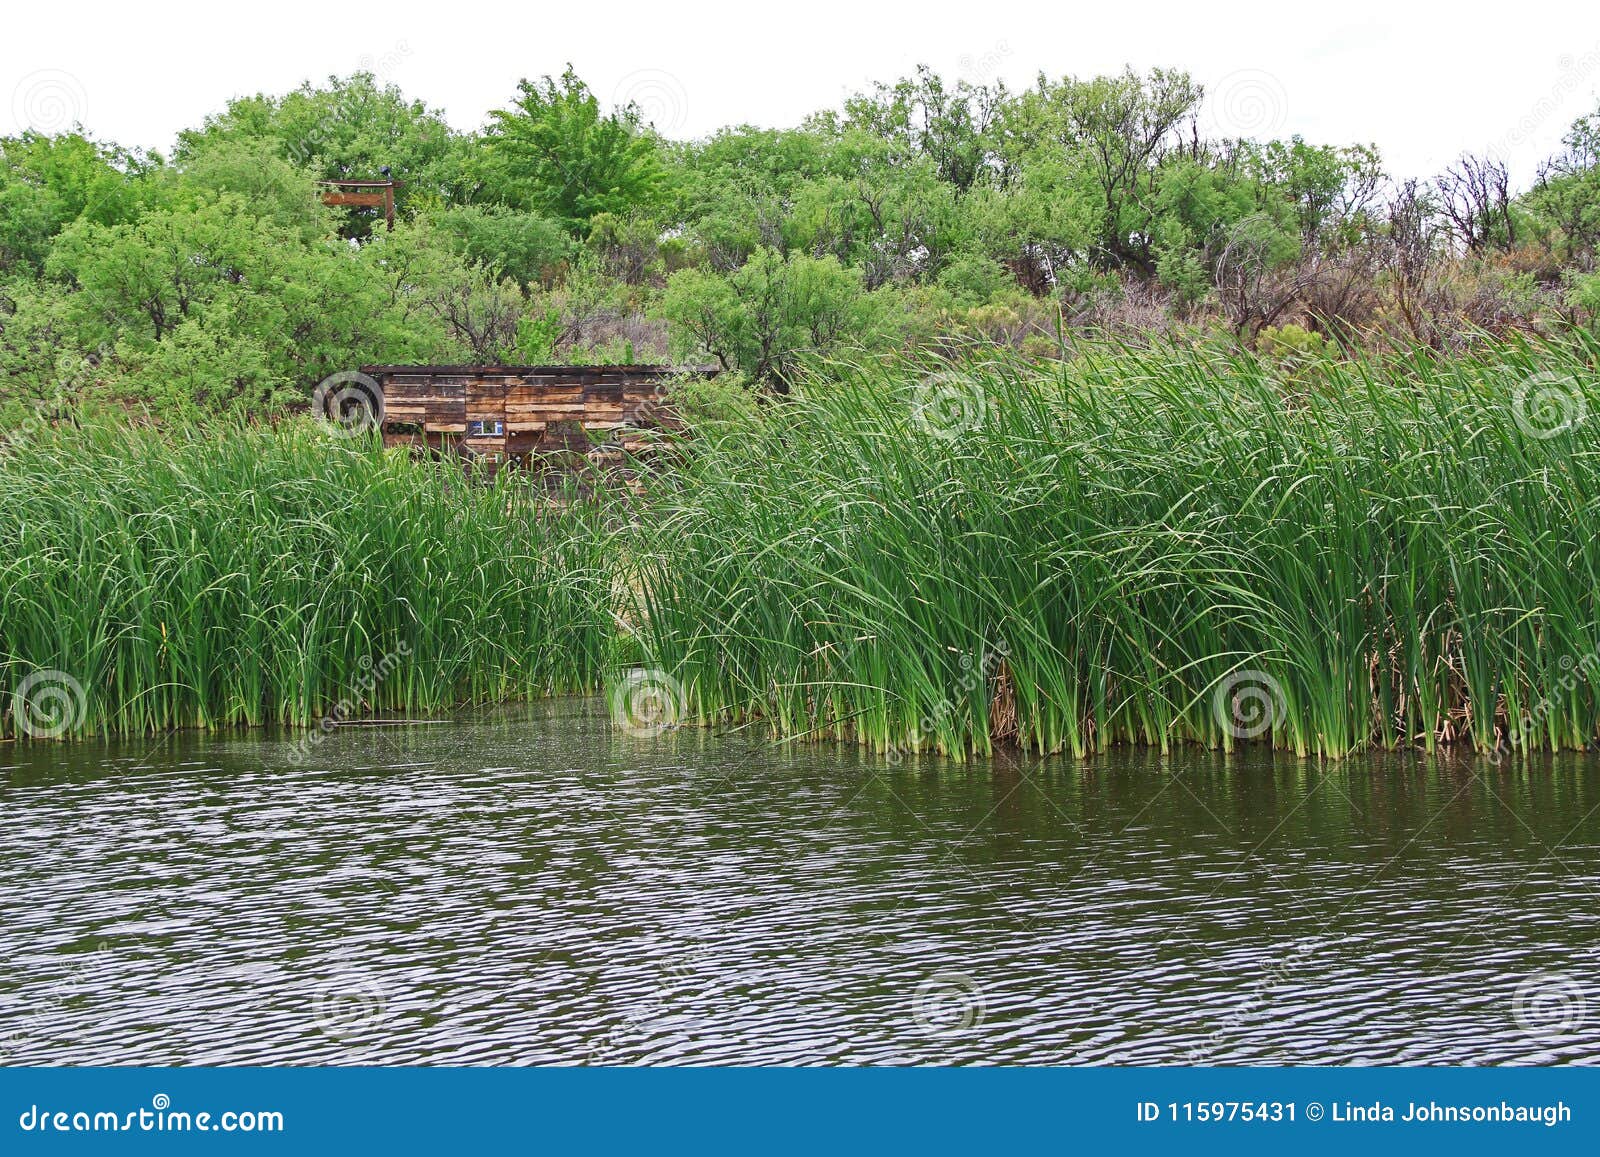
[362, 195]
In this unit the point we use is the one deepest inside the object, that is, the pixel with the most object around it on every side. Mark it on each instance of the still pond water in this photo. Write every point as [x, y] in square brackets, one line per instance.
[530, 887]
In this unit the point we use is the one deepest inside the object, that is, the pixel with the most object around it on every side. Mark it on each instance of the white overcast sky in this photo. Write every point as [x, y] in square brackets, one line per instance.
[1422, 81]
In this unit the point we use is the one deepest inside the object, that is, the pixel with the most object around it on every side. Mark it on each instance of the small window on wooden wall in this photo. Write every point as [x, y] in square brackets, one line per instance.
[485, 429]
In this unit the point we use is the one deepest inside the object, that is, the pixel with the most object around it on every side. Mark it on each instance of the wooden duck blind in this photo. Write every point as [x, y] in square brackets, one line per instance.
[508, 413]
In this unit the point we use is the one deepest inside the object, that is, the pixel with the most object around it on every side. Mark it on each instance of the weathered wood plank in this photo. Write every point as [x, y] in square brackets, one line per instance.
[543, 410]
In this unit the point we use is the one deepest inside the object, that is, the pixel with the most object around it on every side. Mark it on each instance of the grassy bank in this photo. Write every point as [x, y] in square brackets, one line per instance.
[234, 575]
[1146, 547]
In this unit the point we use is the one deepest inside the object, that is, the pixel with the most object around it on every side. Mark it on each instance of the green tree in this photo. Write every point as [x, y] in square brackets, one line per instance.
[1041, 223]
[349, 130]
[526, 247]
[762, 317]
[252, 169]
[1332, 189]
[553, 152]
[47, 182]
[948, 125]
[212, 281]
[1115, 131]
[893, 222]
[42, 367]
[1567, 194]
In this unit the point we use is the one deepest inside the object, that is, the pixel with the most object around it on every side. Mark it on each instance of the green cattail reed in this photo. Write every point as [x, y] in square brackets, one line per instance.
[1387, 551]
[238, 575]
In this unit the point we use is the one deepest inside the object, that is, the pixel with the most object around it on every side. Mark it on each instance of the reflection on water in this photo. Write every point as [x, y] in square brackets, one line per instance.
[534, 888]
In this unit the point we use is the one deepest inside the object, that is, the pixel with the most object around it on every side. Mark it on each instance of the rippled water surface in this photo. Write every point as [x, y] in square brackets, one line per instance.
[533, 888]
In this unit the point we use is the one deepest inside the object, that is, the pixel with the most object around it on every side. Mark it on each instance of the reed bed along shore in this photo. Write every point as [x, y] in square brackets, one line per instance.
[1151, 547]
[244, 575]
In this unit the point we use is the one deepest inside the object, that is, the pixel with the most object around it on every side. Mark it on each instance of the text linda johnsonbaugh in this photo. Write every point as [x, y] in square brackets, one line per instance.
[1350, 1112]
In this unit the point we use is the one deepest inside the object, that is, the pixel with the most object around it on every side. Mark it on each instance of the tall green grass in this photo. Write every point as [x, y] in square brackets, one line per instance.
[236, 575]
[1121, 546]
